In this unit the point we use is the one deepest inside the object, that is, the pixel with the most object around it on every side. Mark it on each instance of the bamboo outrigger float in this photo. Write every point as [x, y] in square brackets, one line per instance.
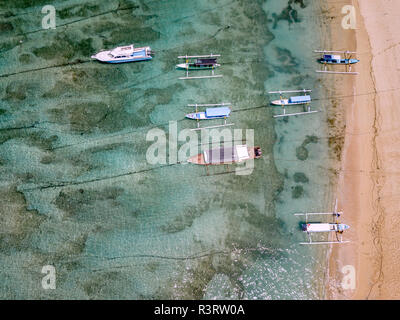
[313, 227]
[330, 59]
[291, 101]
[222, 111]
[202, 62]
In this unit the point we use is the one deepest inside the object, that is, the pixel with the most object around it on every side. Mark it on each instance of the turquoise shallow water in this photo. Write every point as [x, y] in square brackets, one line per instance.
[77, 191]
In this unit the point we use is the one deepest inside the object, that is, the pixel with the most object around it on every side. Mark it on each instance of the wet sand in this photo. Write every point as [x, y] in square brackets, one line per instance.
[368, 177]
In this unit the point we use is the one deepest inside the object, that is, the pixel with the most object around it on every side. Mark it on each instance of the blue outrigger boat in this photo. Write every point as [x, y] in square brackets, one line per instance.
[333, 59]
[336, 59]
[210, 113]
[292, 101]
[221, 112]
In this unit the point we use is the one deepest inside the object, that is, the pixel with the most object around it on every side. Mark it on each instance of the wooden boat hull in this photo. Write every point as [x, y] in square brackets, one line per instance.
[202, 116]
[188, 66]
[324, 227]
[199, 158]
[343, 62]
[285, 102]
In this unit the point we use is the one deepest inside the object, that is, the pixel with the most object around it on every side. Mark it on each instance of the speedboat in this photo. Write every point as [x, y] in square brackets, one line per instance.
[124, 54]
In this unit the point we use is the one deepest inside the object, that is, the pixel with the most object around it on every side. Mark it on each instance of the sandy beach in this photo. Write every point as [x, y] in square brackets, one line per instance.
[368, 176]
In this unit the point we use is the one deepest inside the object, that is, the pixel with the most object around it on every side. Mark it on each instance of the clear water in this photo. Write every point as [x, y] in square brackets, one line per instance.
[76, 189]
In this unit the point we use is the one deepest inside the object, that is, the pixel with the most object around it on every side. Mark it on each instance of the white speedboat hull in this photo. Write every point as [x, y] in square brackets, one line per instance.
[138, 54]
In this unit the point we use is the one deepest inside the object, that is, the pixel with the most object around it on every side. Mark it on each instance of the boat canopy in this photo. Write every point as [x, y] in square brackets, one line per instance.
[207, 61]
[242, 152]
[331, 57]
[299, 99]
[226, 154]
[218, 112]
[124, 51]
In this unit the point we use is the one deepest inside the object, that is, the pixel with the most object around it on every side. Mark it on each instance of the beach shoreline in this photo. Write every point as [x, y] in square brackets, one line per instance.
[366, 180]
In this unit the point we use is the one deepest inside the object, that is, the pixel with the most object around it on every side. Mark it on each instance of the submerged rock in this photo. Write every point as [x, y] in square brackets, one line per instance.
[65, 47]
[297, 192]
[6, 26]
[289, 14]
[300, 177]
[301, 153]
[16, 91]
[25, 58]
[310, 139]
[78, 11]
[183, 221]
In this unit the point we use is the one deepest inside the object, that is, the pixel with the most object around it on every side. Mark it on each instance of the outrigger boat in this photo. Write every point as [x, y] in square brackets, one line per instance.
[330, 59]
[204, 62]
[222, 112]
[313, 227]
[226, 155]
[124, 54]
[199, 64]
[292, 101]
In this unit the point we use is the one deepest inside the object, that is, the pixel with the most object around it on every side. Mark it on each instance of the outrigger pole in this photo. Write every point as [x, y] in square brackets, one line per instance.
[225, 124]
[325, 242]
[335, 213]
[296, 113]
[199, 77]
[326, 51]
[204, 56]
[318, 214]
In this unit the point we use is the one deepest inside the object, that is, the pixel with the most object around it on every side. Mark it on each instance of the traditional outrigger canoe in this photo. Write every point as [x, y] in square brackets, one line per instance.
[210, 113]
[324, 227]
[226, 155]
[124, 54]
[317, 227]
[336, 59]
[199, 64]
[222, 112]
[332, 58]
[292, 100]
